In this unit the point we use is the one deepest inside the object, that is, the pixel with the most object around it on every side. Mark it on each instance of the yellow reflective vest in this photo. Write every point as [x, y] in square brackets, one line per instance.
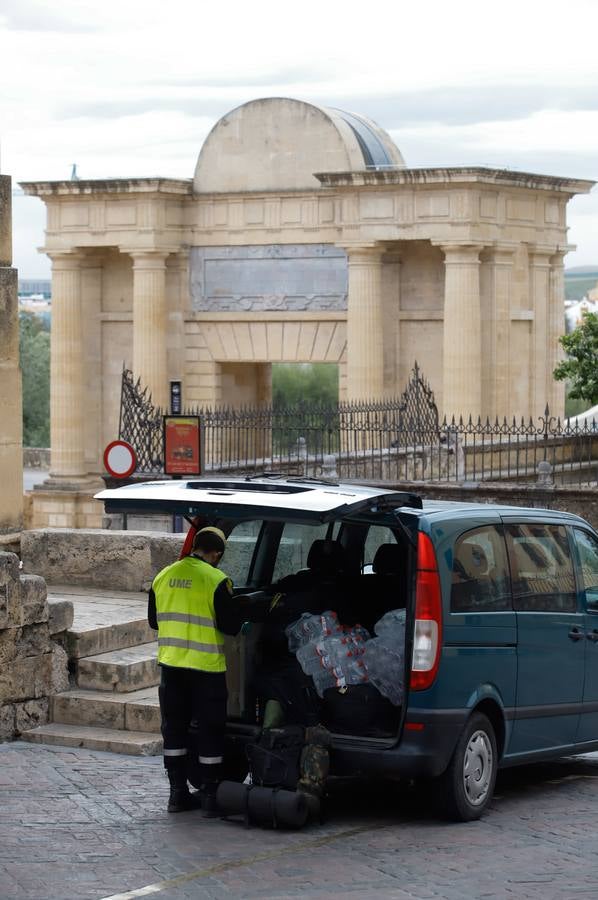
[187, 633]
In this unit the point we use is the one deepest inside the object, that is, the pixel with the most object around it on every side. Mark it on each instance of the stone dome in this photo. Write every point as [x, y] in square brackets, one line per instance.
[277, 144]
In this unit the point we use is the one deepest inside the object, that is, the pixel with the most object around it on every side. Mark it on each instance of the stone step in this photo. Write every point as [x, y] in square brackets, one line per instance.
[125, 670]
[114, 740]
[103, 620]
[135, 711]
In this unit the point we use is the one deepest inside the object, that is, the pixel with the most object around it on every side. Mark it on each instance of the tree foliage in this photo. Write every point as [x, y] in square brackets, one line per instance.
[34, 351]
[312, 383]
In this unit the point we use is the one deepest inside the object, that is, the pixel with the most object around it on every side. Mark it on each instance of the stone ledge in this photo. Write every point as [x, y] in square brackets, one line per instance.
[116, 560]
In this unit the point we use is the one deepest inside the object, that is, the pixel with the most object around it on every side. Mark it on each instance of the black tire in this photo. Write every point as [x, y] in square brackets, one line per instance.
[467, 786]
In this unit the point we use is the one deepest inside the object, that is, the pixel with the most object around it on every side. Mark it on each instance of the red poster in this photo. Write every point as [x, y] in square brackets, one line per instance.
[182, 445]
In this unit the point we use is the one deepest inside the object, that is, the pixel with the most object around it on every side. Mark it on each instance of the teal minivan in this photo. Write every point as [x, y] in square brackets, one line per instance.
[500, 653]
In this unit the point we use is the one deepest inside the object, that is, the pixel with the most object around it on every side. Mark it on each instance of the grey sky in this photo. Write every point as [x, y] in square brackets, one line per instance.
[133, 88]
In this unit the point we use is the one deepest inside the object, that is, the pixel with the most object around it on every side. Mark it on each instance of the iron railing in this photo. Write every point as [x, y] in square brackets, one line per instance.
[392, 440]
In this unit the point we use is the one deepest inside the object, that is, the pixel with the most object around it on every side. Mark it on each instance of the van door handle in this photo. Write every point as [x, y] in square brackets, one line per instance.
[592, 635]
[576, 634]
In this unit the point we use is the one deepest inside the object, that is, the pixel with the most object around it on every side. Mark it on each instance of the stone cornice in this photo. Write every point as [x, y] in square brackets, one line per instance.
[454, 175]
[69, 188]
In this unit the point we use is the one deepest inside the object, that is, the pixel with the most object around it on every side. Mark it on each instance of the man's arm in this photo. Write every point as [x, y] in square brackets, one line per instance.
[152, 616]
[229, 614]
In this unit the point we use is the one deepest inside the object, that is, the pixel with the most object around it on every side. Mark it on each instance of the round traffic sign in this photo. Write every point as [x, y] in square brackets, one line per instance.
[119, 459]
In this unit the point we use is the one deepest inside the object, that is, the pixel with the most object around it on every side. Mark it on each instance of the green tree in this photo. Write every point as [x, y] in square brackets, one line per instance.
[34, 351]
[581, 366]
[315, 383]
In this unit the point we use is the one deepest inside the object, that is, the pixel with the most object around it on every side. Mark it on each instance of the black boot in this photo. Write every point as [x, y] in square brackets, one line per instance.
[180, 799]
[209, 805]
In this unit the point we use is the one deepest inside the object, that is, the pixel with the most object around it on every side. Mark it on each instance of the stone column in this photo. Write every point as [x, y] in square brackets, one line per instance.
[11, 413]
[462, 346]
[556, 328]
[67, 377]
[496, 289]
[540, 375]
[365, 326]
[150, 332]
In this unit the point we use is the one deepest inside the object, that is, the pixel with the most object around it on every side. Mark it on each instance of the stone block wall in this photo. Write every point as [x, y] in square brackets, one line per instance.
[33, 662]
[121, 560]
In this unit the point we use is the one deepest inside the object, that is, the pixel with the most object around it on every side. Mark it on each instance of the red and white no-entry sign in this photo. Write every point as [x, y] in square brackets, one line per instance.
[119, 459]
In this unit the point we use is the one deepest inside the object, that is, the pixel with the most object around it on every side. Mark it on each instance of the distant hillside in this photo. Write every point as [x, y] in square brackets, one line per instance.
[580, 280]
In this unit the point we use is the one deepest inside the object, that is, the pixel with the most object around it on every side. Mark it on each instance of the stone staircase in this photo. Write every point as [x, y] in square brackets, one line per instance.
[113, 701]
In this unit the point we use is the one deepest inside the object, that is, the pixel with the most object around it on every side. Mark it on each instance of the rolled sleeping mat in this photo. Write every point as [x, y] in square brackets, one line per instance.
[262, 805]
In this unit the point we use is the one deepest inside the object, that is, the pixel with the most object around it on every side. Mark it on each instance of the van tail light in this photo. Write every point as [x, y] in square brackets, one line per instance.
[427, 635]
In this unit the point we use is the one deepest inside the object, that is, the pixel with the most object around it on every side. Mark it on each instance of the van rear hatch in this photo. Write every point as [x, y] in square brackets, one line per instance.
[239, 499]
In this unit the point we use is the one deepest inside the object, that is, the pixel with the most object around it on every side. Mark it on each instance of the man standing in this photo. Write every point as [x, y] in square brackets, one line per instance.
[192, 606]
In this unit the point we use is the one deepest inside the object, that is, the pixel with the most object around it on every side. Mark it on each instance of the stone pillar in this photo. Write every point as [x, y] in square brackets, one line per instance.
[150, 332]
[365, 325]
[11, 413]
[67, 377]
[540, 375]
[556, 328]
[462, 346]
[496, 289]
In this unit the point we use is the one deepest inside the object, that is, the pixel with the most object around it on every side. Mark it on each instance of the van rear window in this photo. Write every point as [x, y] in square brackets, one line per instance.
[480, 578]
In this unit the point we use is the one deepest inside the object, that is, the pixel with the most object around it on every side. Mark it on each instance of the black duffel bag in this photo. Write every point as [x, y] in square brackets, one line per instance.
[274, 759]
[359, 709]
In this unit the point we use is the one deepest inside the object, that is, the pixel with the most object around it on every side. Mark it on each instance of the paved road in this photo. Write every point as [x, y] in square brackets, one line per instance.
[82, 824]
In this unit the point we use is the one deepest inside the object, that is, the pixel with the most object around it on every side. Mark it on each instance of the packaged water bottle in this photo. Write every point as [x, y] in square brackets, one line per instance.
[393, 621]
[359, 633]
[309, 660]
[328, 678]
[297, 632]
[355, 671]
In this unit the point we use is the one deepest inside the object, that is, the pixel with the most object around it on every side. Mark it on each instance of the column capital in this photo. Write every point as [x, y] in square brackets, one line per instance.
[500, 253]
[540, 254]
[148, 259]
[460, 252]
[66, 260]
[363, 251]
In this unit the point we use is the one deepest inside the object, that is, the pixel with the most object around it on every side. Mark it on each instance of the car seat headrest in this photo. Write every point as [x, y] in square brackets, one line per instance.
[388, 560]
[326, 557]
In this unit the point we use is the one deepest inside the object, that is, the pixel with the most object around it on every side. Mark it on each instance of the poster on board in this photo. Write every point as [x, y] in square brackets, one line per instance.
[182, 445]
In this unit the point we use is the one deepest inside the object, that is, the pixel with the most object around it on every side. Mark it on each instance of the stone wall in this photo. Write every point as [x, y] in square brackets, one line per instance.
[33, 662]
[121, 560]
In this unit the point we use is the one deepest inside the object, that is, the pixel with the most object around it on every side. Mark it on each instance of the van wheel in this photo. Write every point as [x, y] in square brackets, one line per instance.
[468, 783]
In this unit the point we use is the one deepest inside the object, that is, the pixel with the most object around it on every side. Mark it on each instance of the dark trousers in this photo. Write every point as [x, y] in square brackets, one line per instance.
[193, 710]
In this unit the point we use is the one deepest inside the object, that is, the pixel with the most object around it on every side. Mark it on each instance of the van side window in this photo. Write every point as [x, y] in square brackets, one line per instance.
[480, 577]
[294, 547]
[240, 547]
[541, 568]
[587, 547]
[377, 535]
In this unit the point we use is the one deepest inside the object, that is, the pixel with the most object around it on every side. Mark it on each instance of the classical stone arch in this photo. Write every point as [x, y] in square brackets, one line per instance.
[301, 237]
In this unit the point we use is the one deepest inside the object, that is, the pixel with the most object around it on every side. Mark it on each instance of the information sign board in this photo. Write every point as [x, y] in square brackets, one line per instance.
[182, 445]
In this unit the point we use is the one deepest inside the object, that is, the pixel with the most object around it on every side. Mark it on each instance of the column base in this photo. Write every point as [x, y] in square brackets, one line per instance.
[66, 503]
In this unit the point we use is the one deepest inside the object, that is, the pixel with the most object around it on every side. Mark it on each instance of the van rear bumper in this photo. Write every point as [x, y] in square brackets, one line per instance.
[421, 753]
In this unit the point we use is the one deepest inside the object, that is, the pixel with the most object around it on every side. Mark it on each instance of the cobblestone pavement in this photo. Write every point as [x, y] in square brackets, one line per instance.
[83, 824]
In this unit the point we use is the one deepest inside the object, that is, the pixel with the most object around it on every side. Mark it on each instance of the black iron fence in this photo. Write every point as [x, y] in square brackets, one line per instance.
[391, 440]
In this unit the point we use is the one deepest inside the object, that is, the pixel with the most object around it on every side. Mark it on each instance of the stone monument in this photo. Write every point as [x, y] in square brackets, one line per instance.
[302, 237]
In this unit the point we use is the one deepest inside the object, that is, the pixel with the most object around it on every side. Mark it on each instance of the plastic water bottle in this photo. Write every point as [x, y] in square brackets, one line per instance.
[355, 671]
[328, 678]
[393, 622]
